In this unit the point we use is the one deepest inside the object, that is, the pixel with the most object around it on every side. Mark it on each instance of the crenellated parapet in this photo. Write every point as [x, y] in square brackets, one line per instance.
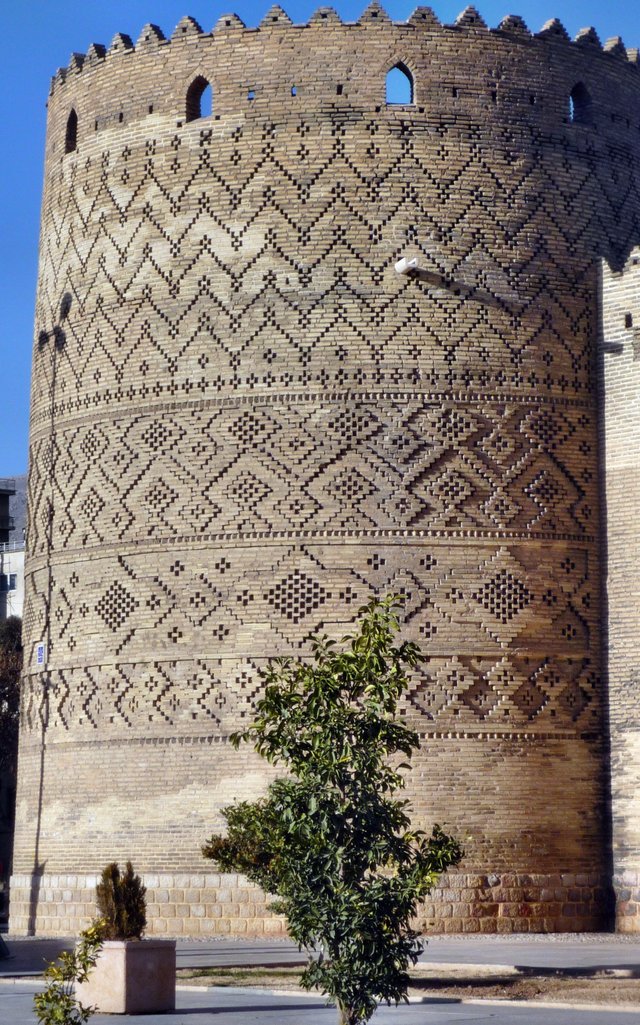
[343, 64]
[422, 19]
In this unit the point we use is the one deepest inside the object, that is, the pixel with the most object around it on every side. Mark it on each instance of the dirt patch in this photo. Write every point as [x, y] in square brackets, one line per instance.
[263, 978]
[561, 987]
[460, 982]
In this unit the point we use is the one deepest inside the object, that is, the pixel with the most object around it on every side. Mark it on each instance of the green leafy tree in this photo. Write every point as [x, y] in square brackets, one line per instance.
[330, 840]
[57, 1004]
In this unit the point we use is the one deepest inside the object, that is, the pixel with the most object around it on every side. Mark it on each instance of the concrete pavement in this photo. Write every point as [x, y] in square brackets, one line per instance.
[582, 951]
[589, 951]
[30, 956]
[255, 1007]
[196, 1006]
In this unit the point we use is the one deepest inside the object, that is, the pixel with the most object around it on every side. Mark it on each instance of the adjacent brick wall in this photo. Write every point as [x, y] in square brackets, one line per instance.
[245, 423]
[620, 363]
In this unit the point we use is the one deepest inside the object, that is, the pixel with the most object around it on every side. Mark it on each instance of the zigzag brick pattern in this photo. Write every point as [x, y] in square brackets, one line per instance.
[245, 423]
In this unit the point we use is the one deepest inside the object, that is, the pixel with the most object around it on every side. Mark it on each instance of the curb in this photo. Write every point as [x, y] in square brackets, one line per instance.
[549, 1005]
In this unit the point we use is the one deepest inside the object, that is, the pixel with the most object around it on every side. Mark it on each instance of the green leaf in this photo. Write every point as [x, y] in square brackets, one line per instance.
[330, 841]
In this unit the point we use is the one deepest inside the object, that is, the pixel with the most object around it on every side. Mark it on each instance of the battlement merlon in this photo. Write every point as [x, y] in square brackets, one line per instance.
[276, 20]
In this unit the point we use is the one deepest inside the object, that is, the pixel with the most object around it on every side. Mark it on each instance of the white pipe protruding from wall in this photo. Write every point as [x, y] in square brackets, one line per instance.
[405, 266]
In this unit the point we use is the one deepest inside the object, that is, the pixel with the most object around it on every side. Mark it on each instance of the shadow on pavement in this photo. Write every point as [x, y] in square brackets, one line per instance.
[308, 1005]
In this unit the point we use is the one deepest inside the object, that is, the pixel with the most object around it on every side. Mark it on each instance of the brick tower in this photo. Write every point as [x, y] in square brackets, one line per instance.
[245, 422]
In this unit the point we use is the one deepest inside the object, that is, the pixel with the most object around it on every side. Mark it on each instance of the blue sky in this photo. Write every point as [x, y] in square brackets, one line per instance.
[39, 36]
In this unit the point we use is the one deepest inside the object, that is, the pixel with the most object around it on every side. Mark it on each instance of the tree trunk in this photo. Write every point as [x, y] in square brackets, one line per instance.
[344, 1014]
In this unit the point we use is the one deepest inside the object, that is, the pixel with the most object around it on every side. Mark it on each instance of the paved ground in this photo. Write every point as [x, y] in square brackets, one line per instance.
[250, 1007]
[592, 950]
[28, 956]
[247, 1007]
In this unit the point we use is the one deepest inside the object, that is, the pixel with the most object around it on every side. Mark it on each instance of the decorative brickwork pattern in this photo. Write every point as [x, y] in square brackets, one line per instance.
[245, 423]
[483, 626]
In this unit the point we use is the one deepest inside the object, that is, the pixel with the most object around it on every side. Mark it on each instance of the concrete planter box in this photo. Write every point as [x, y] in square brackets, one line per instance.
[132, 977]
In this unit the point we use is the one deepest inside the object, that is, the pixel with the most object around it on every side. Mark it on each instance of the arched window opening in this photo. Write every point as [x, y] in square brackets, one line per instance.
[199, 99]
[580, 105]
[399, 85]
[71, 136]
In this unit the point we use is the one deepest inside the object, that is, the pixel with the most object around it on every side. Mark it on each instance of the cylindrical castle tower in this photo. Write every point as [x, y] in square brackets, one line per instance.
[245, 422]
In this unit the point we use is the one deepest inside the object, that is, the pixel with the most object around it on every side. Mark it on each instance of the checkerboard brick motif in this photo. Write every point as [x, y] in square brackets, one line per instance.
[245, 423]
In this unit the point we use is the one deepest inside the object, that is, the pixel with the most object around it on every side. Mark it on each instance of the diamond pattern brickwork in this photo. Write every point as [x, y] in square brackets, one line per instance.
[521, 645]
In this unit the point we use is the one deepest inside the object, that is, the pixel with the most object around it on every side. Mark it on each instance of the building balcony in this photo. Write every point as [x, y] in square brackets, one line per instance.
[11, 546]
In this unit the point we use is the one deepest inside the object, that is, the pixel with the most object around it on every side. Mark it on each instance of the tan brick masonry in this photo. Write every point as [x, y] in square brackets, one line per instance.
[245, 422]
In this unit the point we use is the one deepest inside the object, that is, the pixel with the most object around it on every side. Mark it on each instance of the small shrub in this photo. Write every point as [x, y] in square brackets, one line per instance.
[121, 903]
[57, 1004]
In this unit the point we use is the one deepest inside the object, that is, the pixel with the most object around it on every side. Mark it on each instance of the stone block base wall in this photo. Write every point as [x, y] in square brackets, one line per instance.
[177, 905]
[627, 894]
[515, 902]
[211, 904]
